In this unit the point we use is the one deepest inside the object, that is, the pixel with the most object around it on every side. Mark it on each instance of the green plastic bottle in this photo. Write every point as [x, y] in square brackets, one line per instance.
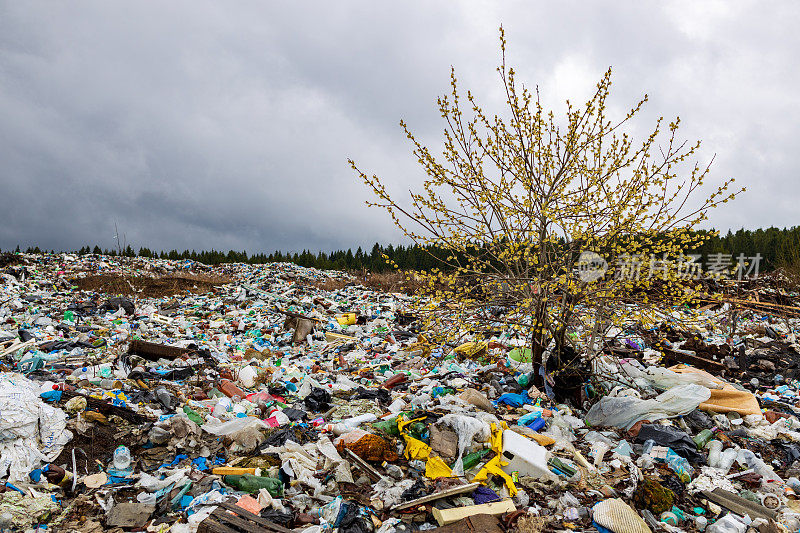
[703, 438]
[250, 483]
[387, 426]
[193, 415]
[472, 459]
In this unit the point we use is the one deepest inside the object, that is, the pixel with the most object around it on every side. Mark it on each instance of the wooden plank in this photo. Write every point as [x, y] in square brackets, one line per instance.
[16, 346]
[362, 465]
[737, 504]
[254, 517]
[232, 519]
[453, 491]
[448, 516]
[211, 525]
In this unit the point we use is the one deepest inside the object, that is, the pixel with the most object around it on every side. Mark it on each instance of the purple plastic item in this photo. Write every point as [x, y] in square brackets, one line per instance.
[484, 495]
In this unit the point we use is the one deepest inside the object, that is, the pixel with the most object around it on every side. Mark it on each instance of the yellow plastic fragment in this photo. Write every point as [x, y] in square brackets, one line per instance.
[436, 468]
[493, 466]
[402, 423]
[471, 349]
[415, 448]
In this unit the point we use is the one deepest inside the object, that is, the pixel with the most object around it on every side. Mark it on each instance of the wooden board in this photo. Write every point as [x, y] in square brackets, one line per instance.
[448, 516]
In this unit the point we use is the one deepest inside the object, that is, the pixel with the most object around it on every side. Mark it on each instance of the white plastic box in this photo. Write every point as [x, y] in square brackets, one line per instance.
[525, 456]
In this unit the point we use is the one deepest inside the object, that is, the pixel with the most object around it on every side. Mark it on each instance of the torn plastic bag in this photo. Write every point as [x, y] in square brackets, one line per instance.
[625, 412]
[232, 426]
[663, 378]
[381, 395]
[354, 520]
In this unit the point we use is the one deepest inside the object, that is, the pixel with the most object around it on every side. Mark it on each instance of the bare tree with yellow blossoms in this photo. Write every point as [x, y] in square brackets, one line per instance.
[519, 198]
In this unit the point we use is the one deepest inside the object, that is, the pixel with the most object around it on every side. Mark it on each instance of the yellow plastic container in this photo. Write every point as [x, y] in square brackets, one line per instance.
[346, 319]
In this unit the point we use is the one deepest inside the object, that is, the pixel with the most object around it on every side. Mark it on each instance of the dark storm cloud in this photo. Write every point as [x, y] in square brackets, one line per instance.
[203, 124]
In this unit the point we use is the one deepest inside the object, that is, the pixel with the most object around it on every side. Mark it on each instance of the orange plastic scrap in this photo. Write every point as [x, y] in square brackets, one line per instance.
[493, 466]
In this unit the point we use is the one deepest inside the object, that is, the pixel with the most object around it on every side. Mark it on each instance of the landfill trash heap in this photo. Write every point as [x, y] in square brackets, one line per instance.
[153, 395]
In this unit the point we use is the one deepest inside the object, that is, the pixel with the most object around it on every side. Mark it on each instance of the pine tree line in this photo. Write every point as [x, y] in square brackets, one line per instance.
[778, 247]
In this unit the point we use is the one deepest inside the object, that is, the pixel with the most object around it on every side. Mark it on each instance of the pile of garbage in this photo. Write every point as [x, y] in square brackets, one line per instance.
[280, 398]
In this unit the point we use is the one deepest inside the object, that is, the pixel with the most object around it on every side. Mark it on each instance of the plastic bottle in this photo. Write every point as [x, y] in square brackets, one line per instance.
[726, 460]
[769, 479]
[223, 406]
[356, 421]
[82, 372]
[472, 459]
[395, 380]
[537, 424]
[193, 415]
[702, 438]
[250, 484]
[714, 451]
[122, 458]
[526, 419]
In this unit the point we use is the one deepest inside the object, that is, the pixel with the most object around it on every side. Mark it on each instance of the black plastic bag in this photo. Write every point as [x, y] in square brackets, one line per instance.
[354, 520]
[318, 401]
[381, 395]
[672, 437]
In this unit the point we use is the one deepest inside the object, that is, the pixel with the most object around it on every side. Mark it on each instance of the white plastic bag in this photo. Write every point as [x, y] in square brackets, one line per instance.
[232, 426]
[31, 432]
[625, 412]
[664, 379]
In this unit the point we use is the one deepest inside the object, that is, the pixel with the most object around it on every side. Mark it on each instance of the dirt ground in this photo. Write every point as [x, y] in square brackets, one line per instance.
[381, 282]
[98, 445]
[150, 287]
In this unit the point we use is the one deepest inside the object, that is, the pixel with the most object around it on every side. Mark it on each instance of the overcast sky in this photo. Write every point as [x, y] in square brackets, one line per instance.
[197, 124]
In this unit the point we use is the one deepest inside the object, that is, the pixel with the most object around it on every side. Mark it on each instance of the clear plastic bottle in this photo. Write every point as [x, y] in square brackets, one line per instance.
[714, 451]
[222, 407]
[122, 458]
[770, 481]
[726, 460]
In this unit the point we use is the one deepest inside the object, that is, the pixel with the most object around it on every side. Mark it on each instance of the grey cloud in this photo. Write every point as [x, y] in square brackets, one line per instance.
[207, 124]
